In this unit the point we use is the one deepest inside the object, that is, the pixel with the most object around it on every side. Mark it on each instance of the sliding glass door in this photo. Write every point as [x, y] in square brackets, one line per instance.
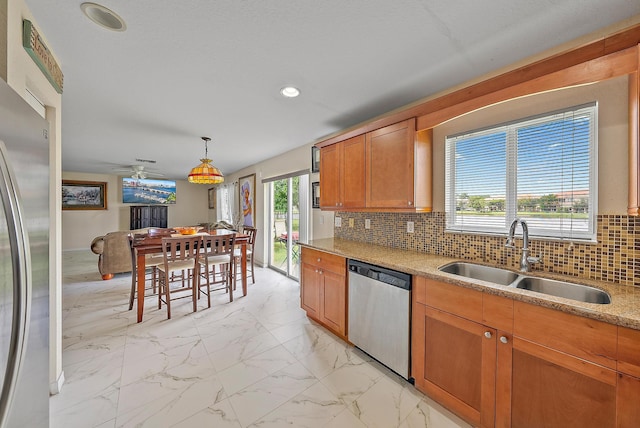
[289, 219]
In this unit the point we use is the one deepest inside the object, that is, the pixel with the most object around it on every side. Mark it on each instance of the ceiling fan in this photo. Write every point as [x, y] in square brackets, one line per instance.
[138, 172]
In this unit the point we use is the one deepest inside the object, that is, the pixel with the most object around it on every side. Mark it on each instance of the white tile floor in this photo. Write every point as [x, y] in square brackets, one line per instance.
[255, 362]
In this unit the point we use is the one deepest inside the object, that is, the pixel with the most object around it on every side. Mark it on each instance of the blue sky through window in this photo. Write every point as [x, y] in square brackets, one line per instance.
[552, 157]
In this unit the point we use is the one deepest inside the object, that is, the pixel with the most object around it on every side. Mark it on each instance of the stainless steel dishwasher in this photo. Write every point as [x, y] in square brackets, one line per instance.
[379, 314]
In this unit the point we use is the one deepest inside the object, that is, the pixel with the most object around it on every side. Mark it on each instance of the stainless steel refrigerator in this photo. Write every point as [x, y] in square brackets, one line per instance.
[24, 263]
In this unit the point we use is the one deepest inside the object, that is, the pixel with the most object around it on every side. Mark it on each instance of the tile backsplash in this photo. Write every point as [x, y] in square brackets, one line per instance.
[614, 258]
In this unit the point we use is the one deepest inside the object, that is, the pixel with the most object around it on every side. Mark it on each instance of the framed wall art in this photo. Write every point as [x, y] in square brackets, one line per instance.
[315, 159]
[212, 198]
[84, 195]
[247, 186]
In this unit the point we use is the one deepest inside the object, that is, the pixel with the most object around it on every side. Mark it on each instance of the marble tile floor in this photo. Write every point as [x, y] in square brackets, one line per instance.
[255, 362]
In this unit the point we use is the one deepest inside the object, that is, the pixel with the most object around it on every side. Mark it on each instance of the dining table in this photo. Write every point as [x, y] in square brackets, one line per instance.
[146, 244]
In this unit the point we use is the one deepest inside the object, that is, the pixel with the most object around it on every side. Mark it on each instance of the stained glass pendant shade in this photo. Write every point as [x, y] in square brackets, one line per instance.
[205, 173]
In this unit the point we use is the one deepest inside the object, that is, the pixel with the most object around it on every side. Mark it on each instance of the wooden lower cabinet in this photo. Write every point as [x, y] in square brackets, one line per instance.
[553, 389]
[537, 375]
[323, 289]
[628, 401]
[454, 362]
[310, 283]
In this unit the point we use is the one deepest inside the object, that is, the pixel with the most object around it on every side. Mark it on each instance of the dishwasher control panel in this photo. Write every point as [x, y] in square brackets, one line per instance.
[378, 273]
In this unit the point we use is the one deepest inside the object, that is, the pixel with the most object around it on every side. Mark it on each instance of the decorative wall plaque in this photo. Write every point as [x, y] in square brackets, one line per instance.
[38, 51]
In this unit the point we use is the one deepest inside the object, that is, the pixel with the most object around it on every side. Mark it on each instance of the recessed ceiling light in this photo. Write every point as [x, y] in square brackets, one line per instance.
[290, 92]
[103, 16]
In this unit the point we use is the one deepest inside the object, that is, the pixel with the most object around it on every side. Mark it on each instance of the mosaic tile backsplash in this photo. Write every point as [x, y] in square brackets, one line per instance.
[615, 257]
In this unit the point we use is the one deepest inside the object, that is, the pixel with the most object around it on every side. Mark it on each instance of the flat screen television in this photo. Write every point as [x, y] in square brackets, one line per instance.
[146, 191]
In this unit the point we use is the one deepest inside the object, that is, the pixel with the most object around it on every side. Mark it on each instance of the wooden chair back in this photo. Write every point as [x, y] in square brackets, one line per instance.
[218, 245]
[180, 249]
[251, 232]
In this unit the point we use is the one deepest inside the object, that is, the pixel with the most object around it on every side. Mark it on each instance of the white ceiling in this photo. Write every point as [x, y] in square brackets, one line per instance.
[190, 68]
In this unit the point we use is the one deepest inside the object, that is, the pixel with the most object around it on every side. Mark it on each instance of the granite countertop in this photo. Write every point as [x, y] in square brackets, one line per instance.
[624, 309]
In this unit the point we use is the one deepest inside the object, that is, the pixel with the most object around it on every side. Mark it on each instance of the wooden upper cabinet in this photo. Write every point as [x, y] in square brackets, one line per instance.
[399, 167]
[353, 172]
[342, 174]
[388, 169]
[330, 176]
[396, 173]
[390, 162]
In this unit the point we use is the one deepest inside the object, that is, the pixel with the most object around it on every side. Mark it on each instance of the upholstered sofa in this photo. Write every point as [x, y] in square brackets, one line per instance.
[114, 252]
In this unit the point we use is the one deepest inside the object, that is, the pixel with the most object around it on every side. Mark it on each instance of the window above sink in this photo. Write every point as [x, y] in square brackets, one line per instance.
[540, 169]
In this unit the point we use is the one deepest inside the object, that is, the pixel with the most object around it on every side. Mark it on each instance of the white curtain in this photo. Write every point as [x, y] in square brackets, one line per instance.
[227, 203]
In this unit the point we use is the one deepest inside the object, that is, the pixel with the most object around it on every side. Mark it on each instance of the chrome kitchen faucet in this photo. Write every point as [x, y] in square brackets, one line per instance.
[525, 261]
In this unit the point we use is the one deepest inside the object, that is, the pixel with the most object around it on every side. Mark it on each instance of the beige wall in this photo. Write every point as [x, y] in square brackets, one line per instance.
[295, 160]
[613, 136]
[80, 227]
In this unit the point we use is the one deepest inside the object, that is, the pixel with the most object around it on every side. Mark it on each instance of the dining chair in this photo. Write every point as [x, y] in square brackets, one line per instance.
[179, 254]
[152, 261]
[237, 254]
[216, 251]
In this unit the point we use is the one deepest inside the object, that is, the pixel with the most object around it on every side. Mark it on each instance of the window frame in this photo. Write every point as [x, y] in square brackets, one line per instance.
[452, 225]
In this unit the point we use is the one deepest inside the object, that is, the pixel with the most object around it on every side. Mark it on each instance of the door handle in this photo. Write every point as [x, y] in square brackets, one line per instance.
[21, 265]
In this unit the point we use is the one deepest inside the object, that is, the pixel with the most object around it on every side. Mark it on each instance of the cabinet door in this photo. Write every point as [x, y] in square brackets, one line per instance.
[628, 408]
[554, 389]
[330, 177]
[134, 218]
[163, 216]
[333, 301]
[310, 290]
[454, 362]
[158, 217]
[353, 172]
[390, 166]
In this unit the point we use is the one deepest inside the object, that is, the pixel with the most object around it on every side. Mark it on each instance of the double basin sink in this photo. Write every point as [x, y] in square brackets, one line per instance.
[568, 290]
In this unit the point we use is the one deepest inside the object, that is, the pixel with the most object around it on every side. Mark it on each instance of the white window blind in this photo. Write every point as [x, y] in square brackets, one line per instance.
[540, 169]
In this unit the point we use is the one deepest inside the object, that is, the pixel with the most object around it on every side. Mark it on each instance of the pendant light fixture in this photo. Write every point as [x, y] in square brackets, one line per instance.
[205, 173]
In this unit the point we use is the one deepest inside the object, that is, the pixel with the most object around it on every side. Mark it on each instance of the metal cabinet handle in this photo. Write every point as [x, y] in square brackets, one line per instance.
[487, 334]
[318, 260]
[410, 203]
[504, 339]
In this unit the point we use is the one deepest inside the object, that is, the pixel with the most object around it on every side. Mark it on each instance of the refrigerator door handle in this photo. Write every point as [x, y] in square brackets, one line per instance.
[21, 263]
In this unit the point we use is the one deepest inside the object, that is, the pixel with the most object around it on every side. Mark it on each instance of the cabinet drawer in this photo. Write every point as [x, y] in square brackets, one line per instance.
[325, 261]
[497, 312]
[629, 351]
[582, 337]
[463, 302]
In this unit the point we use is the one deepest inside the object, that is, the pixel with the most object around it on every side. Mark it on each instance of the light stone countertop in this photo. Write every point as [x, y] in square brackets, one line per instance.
[624, 309]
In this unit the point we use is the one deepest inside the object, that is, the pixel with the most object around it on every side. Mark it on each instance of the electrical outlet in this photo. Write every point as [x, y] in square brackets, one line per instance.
[350, 222]
[409, 227]
[321, 219]
[338, 222]
[367, 223]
